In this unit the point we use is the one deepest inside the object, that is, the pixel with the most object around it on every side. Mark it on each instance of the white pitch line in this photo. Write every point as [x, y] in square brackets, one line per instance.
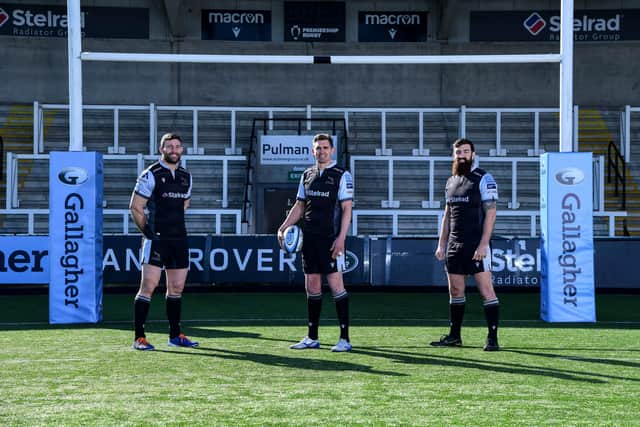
[293, 319]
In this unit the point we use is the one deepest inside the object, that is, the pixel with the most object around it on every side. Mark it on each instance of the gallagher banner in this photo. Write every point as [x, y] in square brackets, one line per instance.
[591, 25]
[75, 240]
[240, 25]
[566, 238]
[24, 259]
[32, 20]
[392, 27]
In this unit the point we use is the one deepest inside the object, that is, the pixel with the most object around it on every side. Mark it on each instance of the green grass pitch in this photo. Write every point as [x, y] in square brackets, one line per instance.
[244, 374]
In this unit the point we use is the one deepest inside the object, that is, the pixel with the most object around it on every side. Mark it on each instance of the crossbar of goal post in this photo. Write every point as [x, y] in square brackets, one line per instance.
[564, 58]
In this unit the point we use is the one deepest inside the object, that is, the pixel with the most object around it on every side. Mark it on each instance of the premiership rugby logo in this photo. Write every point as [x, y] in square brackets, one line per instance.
[534, 23]
[4, 17]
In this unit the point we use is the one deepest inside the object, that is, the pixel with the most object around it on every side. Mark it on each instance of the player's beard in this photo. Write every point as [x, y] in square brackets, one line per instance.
[167, 158]
[461, 167]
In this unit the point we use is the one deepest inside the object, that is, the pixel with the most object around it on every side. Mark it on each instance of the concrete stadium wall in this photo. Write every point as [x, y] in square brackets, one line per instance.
[606, 73]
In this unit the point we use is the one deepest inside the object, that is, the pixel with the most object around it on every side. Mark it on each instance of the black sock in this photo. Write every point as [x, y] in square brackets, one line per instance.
[140, 312]
[492, 314]
[174, 310]
[314, 307]
[456, 314]
[342, 309]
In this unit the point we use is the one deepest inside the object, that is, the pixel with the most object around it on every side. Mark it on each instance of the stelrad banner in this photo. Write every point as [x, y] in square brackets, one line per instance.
[75, 238]
[567, 287]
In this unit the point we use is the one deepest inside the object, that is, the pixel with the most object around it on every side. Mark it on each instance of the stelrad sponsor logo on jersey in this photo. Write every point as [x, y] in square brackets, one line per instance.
[316, 193]
[172, 195]
[458, 199]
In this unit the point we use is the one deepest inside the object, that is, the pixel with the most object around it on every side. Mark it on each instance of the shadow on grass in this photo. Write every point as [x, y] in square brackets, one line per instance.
[283, 361]
[624, 363]
[500, 366]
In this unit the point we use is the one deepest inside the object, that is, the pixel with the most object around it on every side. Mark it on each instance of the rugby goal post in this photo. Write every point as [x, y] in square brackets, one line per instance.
[555, 287]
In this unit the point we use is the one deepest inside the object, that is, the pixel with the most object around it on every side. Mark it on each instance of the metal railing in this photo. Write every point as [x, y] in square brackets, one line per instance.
[395, 214]
[421, 152]
[1, 157]
[141, 161]
[626, 132]
[391, 208]
[421, 143]
[430, 162]
[217, 215]
[616, 162]
[430, 165]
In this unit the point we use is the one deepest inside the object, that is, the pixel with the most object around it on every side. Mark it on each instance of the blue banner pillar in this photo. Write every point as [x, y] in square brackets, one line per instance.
[567, 288]
[75, 237]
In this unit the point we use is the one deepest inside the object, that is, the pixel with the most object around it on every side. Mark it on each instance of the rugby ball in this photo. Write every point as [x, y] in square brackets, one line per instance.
[292, 241]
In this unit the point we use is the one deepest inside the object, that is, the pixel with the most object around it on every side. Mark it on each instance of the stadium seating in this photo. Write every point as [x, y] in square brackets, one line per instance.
[380, 142]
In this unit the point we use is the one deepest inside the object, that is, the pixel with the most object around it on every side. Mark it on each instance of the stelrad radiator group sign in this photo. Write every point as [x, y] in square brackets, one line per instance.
[32, 20]
[591, 25]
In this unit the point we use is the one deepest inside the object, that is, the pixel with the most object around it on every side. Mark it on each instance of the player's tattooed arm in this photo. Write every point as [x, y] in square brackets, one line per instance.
[487, 205]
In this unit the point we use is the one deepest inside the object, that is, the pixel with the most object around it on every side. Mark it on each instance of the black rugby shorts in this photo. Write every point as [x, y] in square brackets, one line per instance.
[459, 259]
[170, 254]
[316, 255]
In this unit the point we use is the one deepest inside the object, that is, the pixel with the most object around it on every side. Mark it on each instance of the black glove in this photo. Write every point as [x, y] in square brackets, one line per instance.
[148, 233]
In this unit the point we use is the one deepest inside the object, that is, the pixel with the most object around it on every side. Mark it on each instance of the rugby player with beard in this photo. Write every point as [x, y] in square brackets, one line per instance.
[464, 243]
[164, 189]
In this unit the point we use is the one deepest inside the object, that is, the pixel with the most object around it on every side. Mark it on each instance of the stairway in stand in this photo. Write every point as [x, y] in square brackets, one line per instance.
[16, 129]
[594, 135]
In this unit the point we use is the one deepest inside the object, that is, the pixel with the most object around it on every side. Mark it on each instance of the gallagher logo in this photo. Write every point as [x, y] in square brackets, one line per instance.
[570, 176]
[534, 23]
[73, 176]
[4, 17]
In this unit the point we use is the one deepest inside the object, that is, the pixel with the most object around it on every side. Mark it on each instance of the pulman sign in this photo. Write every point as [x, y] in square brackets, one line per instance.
[31, 20]
[392, 26]
[314, 21]
[289, 149]
[593, 25]
[240, 25]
